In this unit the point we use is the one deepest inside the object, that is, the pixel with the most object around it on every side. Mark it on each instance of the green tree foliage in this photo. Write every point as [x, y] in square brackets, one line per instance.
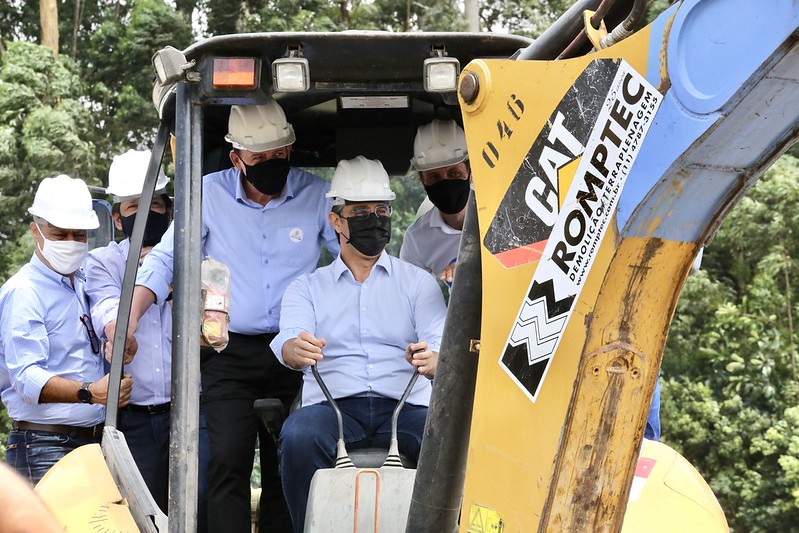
[522, 17]
[324, 15]
[44, 131]
[730, 389]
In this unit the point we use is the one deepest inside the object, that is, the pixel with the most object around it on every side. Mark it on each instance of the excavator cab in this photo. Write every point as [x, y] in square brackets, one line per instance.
[603, 156]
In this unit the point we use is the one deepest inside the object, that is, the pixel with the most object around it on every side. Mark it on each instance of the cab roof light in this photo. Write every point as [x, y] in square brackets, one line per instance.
[235, 73]
[441, 72]
[291, 73]
[170, 65]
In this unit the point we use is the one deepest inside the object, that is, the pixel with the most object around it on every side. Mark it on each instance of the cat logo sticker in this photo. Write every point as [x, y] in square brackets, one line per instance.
[577, 229]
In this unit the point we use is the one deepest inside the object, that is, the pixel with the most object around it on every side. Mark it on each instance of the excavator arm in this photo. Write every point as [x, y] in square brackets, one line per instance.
[597, 181]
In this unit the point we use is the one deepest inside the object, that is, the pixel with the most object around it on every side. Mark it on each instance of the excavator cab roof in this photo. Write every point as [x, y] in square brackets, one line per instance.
[365, 92]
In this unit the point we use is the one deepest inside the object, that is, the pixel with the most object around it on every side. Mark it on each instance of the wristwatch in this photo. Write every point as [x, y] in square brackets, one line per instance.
[84, 394]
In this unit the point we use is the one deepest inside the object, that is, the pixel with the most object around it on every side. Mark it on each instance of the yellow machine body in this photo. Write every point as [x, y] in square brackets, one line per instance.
[83, 495]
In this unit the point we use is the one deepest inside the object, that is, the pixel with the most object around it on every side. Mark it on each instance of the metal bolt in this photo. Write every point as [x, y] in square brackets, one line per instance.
[470, 86]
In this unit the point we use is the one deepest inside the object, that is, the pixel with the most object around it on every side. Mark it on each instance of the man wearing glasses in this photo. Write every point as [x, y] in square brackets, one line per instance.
[51, 369]
[359, 319]
[440, 157]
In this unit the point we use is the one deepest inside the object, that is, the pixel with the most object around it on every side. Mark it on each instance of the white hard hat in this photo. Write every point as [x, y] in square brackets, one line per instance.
[127, 173]
[360, 180]
[259, 128]
[65, 202]
[439, 144]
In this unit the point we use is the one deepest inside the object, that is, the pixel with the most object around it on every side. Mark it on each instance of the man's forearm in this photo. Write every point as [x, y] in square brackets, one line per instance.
[143, 298]
[59, 390]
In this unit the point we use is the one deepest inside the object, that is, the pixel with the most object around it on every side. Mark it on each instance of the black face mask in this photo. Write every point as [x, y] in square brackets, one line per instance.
[269, 176]
[157, 224]
[449, 196]
[369, 236]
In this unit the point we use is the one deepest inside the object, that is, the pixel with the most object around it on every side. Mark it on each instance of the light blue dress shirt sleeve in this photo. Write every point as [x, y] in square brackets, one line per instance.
[103, 291]
[26, 343]
[297, 315]
[41, 337]
[155, 273]
[266, 247]
[429, 312]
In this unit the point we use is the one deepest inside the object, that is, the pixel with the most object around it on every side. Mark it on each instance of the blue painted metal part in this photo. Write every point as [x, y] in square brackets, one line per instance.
[733, 66]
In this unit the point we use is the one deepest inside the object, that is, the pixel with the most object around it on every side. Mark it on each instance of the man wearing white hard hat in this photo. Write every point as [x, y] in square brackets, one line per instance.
[267, 221]
[369, 321]
[145, 420]
[442, 161]
[51, 368]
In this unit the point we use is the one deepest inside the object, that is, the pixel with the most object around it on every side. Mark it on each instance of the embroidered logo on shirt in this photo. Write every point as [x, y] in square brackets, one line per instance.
[295, 235]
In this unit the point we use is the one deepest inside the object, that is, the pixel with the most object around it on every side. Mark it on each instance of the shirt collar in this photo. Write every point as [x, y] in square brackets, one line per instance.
[339, 268]
[437, 221]
[241, 194]
[48, 272]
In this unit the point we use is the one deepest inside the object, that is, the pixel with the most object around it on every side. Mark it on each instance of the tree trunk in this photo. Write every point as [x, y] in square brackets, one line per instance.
[344, 10]
[48, 17]
[789, 307]
[471, 10]
[76, 27]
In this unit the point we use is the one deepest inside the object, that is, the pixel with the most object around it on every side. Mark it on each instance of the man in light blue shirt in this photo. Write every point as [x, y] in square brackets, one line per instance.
[267, 222]
[359, 320]
[51, 369]
[145, 420]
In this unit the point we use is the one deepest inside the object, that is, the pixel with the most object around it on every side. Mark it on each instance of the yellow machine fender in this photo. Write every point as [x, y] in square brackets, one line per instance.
[82, 494]
[668, 495]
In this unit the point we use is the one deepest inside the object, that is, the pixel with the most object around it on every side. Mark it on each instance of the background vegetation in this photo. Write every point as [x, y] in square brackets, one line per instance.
[729, 371]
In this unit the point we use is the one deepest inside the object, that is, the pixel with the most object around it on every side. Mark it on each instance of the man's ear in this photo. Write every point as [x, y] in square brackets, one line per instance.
[36, 234]
[235, 159]
[117, 220]
[335, 220]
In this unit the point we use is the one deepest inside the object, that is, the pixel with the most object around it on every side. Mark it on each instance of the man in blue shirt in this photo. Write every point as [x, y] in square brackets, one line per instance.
[266, 221]
[51, 369]
[359, 320]
[145, 420]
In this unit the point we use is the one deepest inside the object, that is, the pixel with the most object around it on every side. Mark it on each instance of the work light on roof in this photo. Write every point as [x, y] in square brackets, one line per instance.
[441, 73]
[291, 74]
[170, 65]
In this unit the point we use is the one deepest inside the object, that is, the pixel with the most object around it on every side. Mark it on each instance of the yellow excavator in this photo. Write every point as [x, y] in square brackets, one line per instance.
[604, 157]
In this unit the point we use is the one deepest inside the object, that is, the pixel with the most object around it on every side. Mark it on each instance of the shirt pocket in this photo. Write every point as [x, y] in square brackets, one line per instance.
[297, 245]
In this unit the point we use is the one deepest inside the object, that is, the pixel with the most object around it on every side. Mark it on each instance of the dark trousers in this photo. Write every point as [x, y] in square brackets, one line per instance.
[32, 453]
[232, 380]
[309, 435]
[148, 441]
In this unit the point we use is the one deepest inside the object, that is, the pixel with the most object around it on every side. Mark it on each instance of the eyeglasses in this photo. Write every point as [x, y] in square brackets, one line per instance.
[94, 340]
[362, 212]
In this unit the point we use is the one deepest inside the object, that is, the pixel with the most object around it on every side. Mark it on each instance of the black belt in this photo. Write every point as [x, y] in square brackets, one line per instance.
[266, 335]
[149, 409]
[91, 432]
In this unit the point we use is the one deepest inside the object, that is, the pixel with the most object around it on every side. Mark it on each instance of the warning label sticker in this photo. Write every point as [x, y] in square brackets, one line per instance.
[624, 118]
[484, 520]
